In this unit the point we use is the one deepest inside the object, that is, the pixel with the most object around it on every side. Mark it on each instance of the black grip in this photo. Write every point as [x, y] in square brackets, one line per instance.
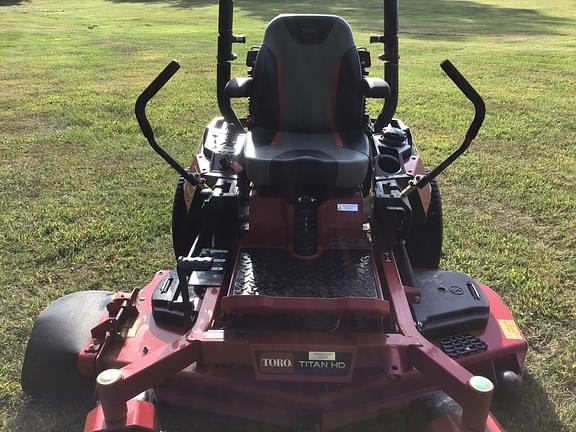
[479, 112]
[471, 93]
[140, 111]
[149, 92]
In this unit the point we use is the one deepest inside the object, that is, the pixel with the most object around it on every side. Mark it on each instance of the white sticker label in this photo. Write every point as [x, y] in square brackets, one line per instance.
[347, 207]
[321, 356]
[214, 334]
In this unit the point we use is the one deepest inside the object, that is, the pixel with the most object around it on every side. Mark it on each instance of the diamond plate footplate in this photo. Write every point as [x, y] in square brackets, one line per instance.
[273, 272]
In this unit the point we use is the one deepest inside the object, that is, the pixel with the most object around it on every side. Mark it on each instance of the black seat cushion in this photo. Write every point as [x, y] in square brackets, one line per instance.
[338, 159]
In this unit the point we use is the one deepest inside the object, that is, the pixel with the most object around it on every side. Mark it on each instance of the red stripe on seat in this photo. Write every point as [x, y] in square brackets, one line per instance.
[276, 138]
[334, 96]
[337, 139]
[280, 70]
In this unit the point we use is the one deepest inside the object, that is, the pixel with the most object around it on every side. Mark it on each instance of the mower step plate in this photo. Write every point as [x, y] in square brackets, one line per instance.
[336, 273]
[462, 345]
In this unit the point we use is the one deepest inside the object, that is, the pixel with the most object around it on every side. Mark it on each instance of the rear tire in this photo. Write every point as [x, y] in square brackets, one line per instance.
[185, 222]
[50, 369]
[424, 243]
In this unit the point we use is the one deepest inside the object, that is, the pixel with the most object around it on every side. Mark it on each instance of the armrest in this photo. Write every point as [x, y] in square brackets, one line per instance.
[238, 88]
[375, 88]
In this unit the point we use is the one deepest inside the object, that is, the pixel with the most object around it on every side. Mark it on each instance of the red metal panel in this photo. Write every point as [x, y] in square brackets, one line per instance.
[272, 221]
[335, 224]
[141, 415]
[300, 305]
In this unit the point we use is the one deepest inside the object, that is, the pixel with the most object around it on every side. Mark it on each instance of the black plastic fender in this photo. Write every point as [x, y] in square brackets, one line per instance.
[50, 369]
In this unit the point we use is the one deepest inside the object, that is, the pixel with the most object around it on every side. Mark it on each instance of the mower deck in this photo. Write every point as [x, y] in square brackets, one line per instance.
[334, 377]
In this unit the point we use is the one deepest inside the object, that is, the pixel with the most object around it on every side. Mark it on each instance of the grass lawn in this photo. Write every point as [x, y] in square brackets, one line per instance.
[85, 204]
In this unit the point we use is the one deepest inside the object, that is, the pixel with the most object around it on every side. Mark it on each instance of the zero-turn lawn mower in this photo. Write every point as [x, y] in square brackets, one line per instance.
[307, 291]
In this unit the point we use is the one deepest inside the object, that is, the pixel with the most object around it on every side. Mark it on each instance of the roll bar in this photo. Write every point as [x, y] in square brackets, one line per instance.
[225, 56]
[391, 60]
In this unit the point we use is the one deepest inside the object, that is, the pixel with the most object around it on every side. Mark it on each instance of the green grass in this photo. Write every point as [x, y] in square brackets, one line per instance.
[86, 205]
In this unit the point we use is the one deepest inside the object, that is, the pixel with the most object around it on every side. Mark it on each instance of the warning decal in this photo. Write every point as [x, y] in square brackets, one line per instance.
[135, 327]
[510, 329]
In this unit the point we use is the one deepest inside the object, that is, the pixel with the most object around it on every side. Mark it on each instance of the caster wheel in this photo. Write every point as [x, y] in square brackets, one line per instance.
[510, 388]
[425, 410]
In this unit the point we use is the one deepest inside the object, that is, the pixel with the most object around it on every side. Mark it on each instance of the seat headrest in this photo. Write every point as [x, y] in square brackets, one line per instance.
[323, 31]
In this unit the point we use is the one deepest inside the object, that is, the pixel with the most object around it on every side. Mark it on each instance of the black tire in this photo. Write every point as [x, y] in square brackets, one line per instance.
[510, 389]
[424, 243]
[428, 408]
[50, 369]
[185, 222]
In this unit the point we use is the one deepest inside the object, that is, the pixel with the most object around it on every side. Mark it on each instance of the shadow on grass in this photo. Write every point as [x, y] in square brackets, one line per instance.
[50, 416]
[176, 3]
[183, 420]
[12, 2]
[452, 18]
[534, 413]
[432, 18]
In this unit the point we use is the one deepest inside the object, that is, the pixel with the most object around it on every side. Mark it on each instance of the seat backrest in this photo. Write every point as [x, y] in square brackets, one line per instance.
[307, 76]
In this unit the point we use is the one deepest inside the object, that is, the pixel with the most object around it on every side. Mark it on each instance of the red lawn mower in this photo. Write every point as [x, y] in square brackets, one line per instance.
[307, 291]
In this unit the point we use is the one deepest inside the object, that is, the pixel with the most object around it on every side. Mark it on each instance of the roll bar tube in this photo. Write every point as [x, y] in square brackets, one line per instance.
[391, 59]
[140, 111]
[224, 57]
[475, 125]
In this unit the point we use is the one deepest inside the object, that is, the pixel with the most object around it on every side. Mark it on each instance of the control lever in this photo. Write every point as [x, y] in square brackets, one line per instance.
[473, 96]
[140, 111]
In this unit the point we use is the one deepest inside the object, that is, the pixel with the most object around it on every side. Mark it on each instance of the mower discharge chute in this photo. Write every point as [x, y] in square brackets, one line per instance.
[307, 291]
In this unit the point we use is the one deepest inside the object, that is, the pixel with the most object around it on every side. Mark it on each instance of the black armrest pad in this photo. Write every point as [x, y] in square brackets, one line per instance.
[375, 88]
[238, 88]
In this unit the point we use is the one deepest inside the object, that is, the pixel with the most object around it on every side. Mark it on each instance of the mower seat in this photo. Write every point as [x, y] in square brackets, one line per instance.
[307, 106]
